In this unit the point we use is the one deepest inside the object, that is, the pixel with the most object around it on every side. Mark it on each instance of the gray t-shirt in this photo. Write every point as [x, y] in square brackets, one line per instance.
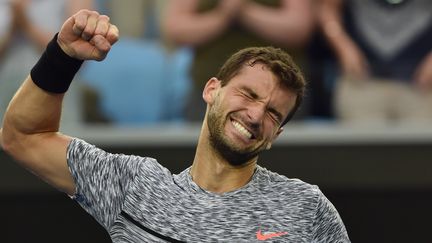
[137, 200]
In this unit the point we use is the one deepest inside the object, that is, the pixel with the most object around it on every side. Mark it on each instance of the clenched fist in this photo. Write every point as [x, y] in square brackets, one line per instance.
[87, 35]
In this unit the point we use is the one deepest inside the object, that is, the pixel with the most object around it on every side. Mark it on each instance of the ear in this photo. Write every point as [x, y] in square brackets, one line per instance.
[269, 145]
[210, 90]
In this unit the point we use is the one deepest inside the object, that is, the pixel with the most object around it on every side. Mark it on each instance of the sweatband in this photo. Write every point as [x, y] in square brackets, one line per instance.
[55, 69]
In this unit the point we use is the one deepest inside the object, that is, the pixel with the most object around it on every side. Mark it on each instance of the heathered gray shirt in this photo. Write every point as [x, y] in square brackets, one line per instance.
[137, 200]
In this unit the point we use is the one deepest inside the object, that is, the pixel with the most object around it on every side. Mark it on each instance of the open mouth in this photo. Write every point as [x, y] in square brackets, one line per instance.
[242, 130]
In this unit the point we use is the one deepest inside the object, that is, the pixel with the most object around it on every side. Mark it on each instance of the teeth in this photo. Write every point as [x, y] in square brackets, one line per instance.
[242, 130]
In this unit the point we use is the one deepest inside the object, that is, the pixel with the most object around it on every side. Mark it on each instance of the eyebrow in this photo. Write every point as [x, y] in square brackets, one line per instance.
[252, 93]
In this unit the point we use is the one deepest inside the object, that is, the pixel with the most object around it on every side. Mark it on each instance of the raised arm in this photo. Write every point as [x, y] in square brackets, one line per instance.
[289, 25]
[31, 124]
[184, 25]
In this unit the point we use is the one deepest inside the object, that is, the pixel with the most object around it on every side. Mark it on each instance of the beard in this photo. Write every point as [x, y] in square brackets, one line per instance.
[231, 152]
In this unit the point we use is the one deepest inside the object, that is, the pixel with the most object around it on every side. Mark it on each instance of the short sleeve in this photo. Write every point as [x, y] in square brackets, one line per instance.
[101, 179]
[328, 225]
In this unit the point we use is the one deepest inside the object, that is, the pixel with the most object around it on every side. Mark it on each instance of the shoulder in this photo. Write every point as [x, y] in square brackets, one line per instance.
[306, 202]
[270, 179]
[288, 190]
[80, 151]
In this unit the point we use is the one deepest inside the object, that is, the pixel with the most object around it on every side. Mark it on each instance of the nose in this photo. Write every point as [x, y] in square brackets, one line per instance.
[256, 114]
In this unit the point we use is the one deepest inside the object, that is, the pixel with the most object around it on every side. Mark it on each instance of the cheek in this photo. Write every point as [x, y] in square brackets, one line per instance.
[270, 130]
[238, 102]
[234, 104]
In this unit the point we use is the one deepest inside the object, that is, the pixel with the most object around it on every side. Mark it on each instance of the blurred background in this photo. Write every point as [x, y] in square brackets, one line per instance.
[363, 133]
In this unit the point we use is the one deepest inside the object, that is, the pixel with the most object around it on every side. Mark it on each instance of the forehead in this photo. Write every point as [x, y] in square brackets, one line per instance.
[255, 75]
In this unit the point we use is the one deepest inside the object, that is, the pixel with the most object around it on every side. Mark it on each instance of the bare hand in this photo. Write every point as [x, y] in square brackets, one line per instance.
[231, 7]
[87, 35]
[423, 74]
[353, 62]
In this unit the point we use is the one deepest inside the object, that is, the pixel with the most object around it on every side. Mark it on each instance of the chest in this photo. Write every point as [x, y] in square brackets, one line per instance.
[194, 218]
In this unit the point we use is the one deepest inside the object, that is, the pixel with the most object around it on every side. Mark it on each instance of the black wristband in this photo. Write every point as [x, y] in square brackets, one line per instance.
[55, 69]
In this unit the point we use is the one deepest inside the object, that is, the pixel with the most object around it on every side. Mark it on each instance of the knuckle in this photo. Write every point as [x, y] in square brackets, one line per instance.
[112, 38]
[94, 13]
[113, 34]
[79, 26]
[82, 11]
[104, 18]
[87, 31]
[101, 30]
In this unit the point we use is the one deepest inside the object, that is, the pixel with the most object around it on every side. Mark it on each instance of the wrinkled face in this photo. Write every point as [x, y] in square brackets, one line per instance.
[244, 116]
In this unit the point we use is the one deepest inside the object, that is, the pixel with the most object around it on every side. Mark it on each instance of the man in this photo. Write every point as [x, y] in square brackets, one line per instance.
[224, 196]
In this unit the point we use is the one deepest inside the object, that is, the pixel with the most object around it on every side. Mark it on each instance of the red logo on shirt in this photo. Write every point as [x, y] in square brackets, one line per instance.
[261, 236]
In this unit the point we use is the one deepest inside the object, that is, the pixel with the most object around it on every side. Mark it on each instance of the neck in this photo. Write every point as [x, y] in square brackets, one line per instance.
[213, 173]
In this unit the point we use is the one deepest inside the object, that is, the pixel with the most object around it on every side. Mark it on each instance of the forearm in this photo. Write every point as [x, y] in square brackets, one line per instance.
[36, 106]
[332, 25]
[185, 26]
[289, 25]
[30, 122]
[33, 110]
[30, 135]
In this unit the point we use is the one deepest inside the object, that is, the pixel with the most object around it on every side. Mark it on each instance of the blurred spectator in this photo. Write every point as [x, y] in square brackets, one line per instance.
[141, 82]
[385, 58]
[217, 28]
[137, 18]
[6, 27]
[26, 26]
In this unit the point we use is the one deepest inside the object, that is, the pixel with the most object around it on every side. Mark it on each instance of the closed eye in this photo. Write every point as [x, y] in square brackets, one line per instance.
[247, 96]
[250, 93]
[275, 115]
